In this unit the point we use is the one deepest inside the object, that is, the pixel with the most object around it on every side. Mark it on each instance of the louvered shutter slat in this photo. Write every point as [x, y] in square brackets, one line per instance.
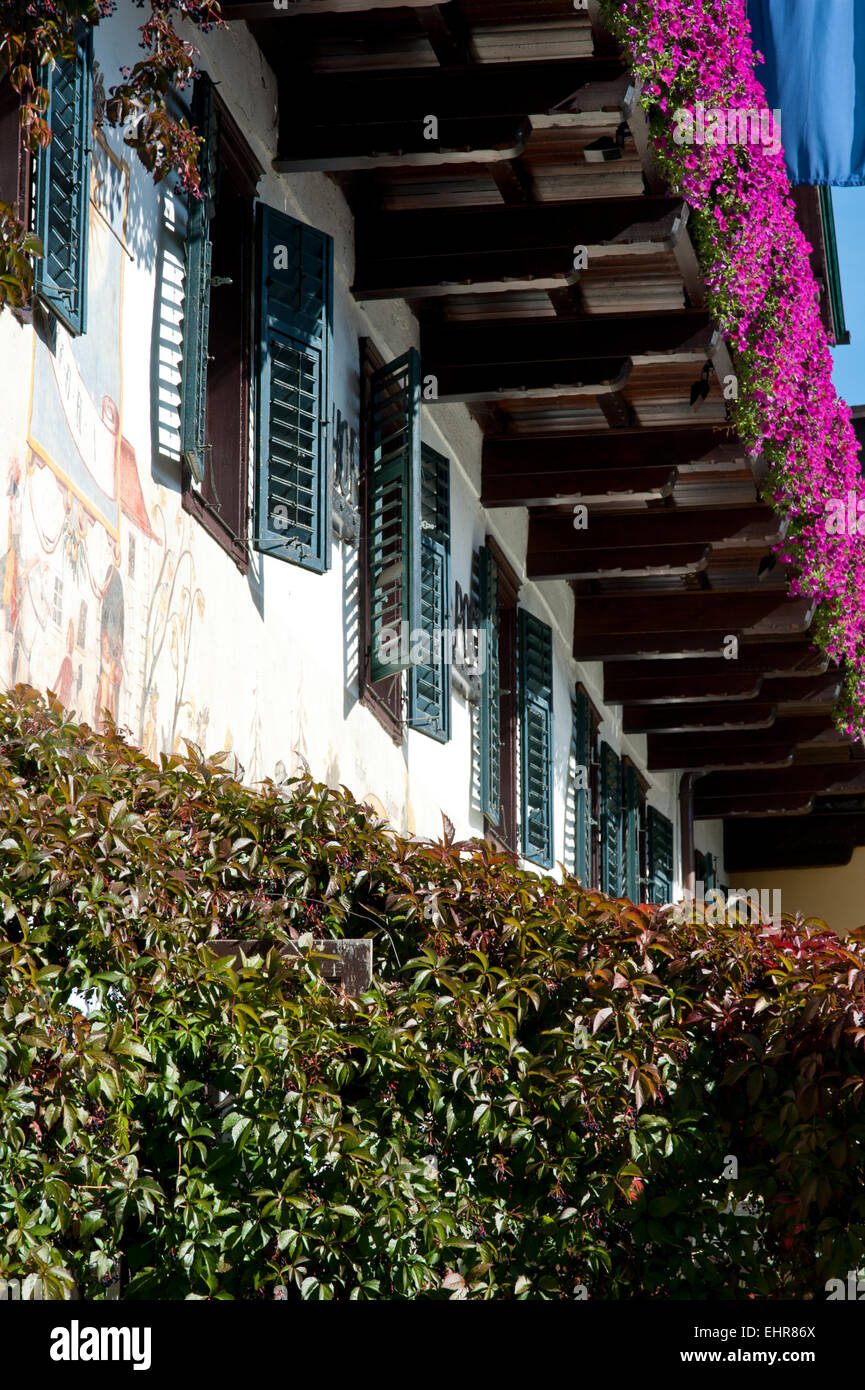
[660, 836]
[490, 707]
[536, 733]
[429, 685]
[196, 306]
[394, 515]
[611, 822]
[582, 831]
[63, 190]
[632, 834]
[295, 307]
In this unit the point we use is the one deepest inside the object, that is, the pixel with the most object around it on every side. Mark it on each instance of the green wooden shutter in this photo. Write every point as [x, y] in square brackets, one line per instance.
[535, 643]
[394, 515]
[582, 809]
[63, 189]
[633, 884]
[710, 872]
[196, 306]
[429, 683]
[660, 834]
[490, 708]
[611, 822]
[294, 345]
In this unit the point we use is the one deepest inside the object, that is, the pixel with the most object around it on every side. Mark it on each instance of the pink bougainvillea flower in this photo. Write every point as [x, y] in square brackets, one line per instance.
[763, 294]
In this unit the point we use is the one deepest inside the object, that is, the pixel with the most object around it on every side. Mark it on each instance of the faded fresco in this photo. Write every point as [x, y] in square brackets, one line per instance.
[98, 594]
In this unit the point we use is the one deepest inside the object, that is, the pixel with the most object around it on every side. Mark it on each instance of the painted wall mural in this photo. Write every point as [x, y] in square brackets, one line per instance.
[98, 593]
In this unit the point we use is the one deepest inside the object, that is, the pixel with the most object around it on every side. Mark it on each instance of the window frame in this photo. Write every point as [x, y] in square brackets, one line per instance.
[659, 826]
[235, 159]
[608, 758]
[504, 835]
[440, 546]
[383, 698]
[267, 540]
[543, 857]
[586, 805]
[634, 830]
[45, 289]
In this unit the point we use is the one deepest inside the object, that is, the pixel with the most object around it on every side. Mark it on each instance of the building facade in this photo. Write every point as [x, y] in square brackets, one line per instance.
[286, 476]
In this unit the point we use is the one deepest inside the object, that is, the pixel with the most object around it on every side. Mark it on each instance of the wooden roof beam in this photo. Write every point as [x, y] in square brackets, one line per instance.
[557, 550]
[635, 613]
[637, 679]
[782, 804]
[422, 255]
[818, 840]
[577, 376]
[636, 562]
[658, 637]
[484, 113]
[685, 333]
[722, 684]
[741, 748]
[713, 718]
[586, 485]
[554, 357]
[725, 684]
[448, 33]
[722, 788]
[617, 450]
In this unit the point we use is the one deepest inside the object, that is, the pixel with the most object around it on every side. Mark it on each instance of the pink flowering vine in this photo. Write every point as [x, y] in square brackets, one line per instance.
[762, 292]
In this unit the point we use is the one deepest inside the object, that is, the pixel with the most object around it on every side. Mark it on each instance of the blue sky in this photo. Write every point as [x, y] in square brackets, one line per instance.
[849, 373]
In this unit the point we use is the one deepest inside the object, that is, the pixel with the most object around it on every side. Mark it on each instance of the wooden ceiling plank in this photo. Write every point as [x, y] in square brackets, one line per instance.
[522, 341]
[783, 804]
[588, 486]
[712, 718]
[724, 685]
[554, 543]
[631, 562]
[478, 382]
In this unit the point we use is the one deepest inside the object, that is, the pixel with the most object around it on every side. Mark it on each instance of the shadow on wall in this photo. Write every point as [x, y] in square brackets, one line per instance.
[835, 894]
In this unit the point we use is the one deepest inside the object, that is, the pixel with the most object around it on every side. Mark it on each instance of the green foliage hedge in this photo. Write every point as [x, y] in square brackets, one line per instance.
[536, 1099]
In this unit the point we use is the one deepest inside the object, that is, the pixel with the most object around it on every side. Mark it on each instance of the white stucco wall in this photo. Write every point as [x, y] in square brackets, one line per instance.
[272, 664]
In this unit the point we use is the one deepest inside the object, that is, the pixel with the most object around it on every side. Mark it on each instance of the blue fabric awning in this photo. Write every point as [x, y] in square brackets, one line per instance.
[814, 50]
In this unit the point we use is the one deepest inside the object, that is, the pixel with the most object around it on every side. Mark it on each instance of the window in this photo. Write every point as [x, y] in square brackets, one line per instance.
[390, 539]
[634, 831]
[63, 190]
[535, 652]
[295, 325]
[707, 871]
[660, 857]
[586, 796]
[14, 156]
[429, 682]
[217, 328]
[406, 545]
[612, 864]
[498, 590]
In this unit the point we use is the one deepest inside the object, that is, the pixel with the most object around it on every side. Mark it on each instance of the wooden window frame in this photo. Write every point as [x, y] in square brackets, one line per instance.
[238, 164]
[441, 465]
[16, 180]
[385, 698]
[505, 836]
[69, 308]
[642, 832]
[543, 858]
[606, 750]
[593, 791]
